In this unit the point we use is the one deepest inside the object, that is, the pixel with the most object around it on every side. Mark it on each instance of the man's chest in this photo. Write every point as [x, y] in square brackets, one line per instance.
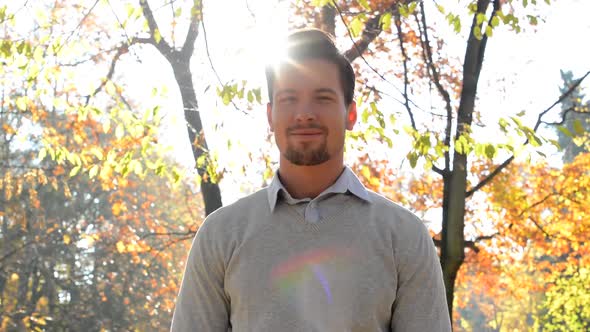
[326, 281]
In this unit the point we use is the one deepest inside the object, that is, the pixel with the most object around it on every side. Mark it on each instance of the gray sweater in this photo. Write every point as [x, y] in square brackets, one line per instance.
[366, 265]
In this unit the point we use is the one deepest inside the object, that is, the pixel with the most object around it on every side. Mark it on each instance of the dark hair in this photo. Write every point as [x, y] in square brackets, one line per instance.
[314, 44]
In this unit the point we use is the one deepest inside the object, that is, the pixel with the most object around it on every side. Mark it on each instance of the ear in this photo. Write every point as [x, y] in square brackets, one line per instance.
[269, 116]
[351, 116]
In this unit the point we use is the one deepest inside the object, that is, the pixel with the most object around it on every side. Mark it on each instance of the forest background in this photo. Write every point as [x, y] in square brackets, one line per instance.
[124, 123]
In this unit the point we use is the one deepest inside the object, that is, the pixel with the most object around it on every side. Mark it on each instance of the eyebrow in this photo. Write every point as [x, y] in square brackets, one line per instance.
[293, 91]
[326, 90]
[285, 91]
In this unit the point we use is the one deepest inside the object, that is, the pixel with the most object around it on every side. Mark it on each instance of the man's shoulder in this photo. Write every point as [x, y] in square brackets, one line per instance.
[393, 214]
[382, 203]
[239, 212]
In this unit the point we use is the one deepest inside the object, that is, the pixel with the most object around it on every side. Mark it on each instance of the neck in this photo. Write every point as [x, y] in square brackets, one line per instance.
[309, 181]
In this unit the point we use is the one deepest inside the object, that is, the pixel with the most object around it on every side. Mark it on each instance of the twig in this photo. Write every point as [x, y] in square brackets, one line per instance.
[213, 67]
[509, 160]
[427, 54]
[360, 51]
[77, 27]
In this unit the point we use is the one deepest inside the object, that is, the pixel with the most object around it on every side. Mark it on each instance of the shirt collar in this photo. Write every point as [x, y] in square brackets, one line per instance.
[346, 182]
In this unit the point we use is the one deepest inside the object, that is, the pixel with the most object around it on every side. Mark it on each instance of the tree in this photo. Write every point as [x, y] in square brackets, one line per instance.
[571, 135]
[85, 243]
[566, 303]
[446, 146]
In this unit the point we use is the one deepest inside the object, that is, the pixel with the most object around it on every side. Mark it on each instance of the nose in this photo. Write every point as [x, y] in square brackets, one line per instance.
[305, 113]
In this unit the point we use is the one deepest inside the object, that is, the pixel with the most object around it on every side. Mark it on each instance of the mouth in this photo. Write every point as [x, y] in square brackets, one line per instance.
[306, 132]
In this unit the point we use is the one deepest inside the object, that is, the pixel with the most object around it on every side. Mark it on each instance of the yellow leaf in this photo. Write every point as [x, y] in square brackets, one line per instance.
[67, 239]
[374, 181]
[14, 277]
[93, 171]
[120, 247]
[110, 88]
[117, 209]
[21, 103]
[366, 172]
[8, 129]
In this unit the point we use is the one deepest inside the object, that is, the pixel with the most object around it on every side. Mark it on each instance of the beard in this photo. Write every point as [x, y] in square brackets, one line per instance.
[307, 154]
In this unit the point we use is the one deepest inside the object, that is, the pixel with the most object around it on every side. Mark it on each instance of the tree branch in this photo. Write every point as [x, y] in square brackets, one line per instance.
[193, 30]
[433, 73]
[77, 27]
[564, 116]
[372, 29]
[211, 63]
[560, 99]
[398, 25]
[328, 19]
[364, 59]
[122, 49]
[498, 169]
[160, 44]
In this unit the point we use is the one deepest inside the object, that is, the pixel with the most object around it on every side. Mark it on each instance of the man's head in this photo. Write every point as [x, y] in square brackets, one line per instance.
[311, 100]
[309, 44]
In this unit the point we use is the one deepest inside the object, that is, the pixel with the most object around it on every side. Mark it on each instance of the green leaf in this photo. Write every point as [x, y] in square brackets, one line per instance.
[364, 4]
[489, 31]
[385, 21]
[403, 10]
[374, 108]
[490, 151]
[178, 12]
[532, 19]
[477, 32]
[457, 24]
[356, 26]
[320, 3]
[157, 36]
[413, 158]
[412, 7]
[480, 18]
[258, 95]
[110, 88]
[365, 115]
[226, 99]
[495, 21]
[392, 119]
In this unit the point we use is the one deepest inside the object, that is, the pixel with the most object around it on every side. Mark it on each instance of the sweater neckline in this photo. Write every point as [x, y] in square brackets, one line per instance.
[301, 224]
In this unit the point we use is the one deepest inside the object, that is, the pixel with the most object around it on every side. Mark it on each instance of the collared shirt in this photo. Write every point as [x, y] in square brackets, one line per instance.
[362, 267]
[326, 203]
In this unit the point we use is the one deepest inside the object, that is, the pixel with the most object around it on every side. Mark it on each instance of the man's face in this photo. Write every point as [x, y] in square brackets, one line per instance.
[308, 115]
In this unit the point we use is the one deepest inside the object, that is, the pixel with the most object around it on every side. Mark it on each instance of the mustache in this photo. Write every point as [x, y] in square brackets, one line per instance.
[291, 129]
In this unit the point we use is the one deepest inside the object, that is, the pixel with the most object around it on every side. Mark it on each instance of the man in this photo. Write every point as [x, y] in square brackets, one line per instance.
[315, 251]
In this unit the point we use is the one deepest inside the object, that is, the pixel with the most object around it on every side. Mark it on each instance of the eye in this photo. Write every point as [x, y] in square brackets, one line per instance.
[325, 99]
[287, 99]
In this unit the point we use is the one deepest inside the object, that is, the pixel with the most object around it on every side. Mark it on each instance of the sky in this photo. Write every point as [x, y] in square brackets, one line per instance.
[521, 72]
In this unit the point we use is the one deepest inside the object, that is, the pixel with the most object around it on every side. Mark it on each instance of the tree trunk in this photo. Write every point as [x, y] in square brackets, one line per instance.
[209, 190]
[455, 186]
[180, 59]
[328, 19]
